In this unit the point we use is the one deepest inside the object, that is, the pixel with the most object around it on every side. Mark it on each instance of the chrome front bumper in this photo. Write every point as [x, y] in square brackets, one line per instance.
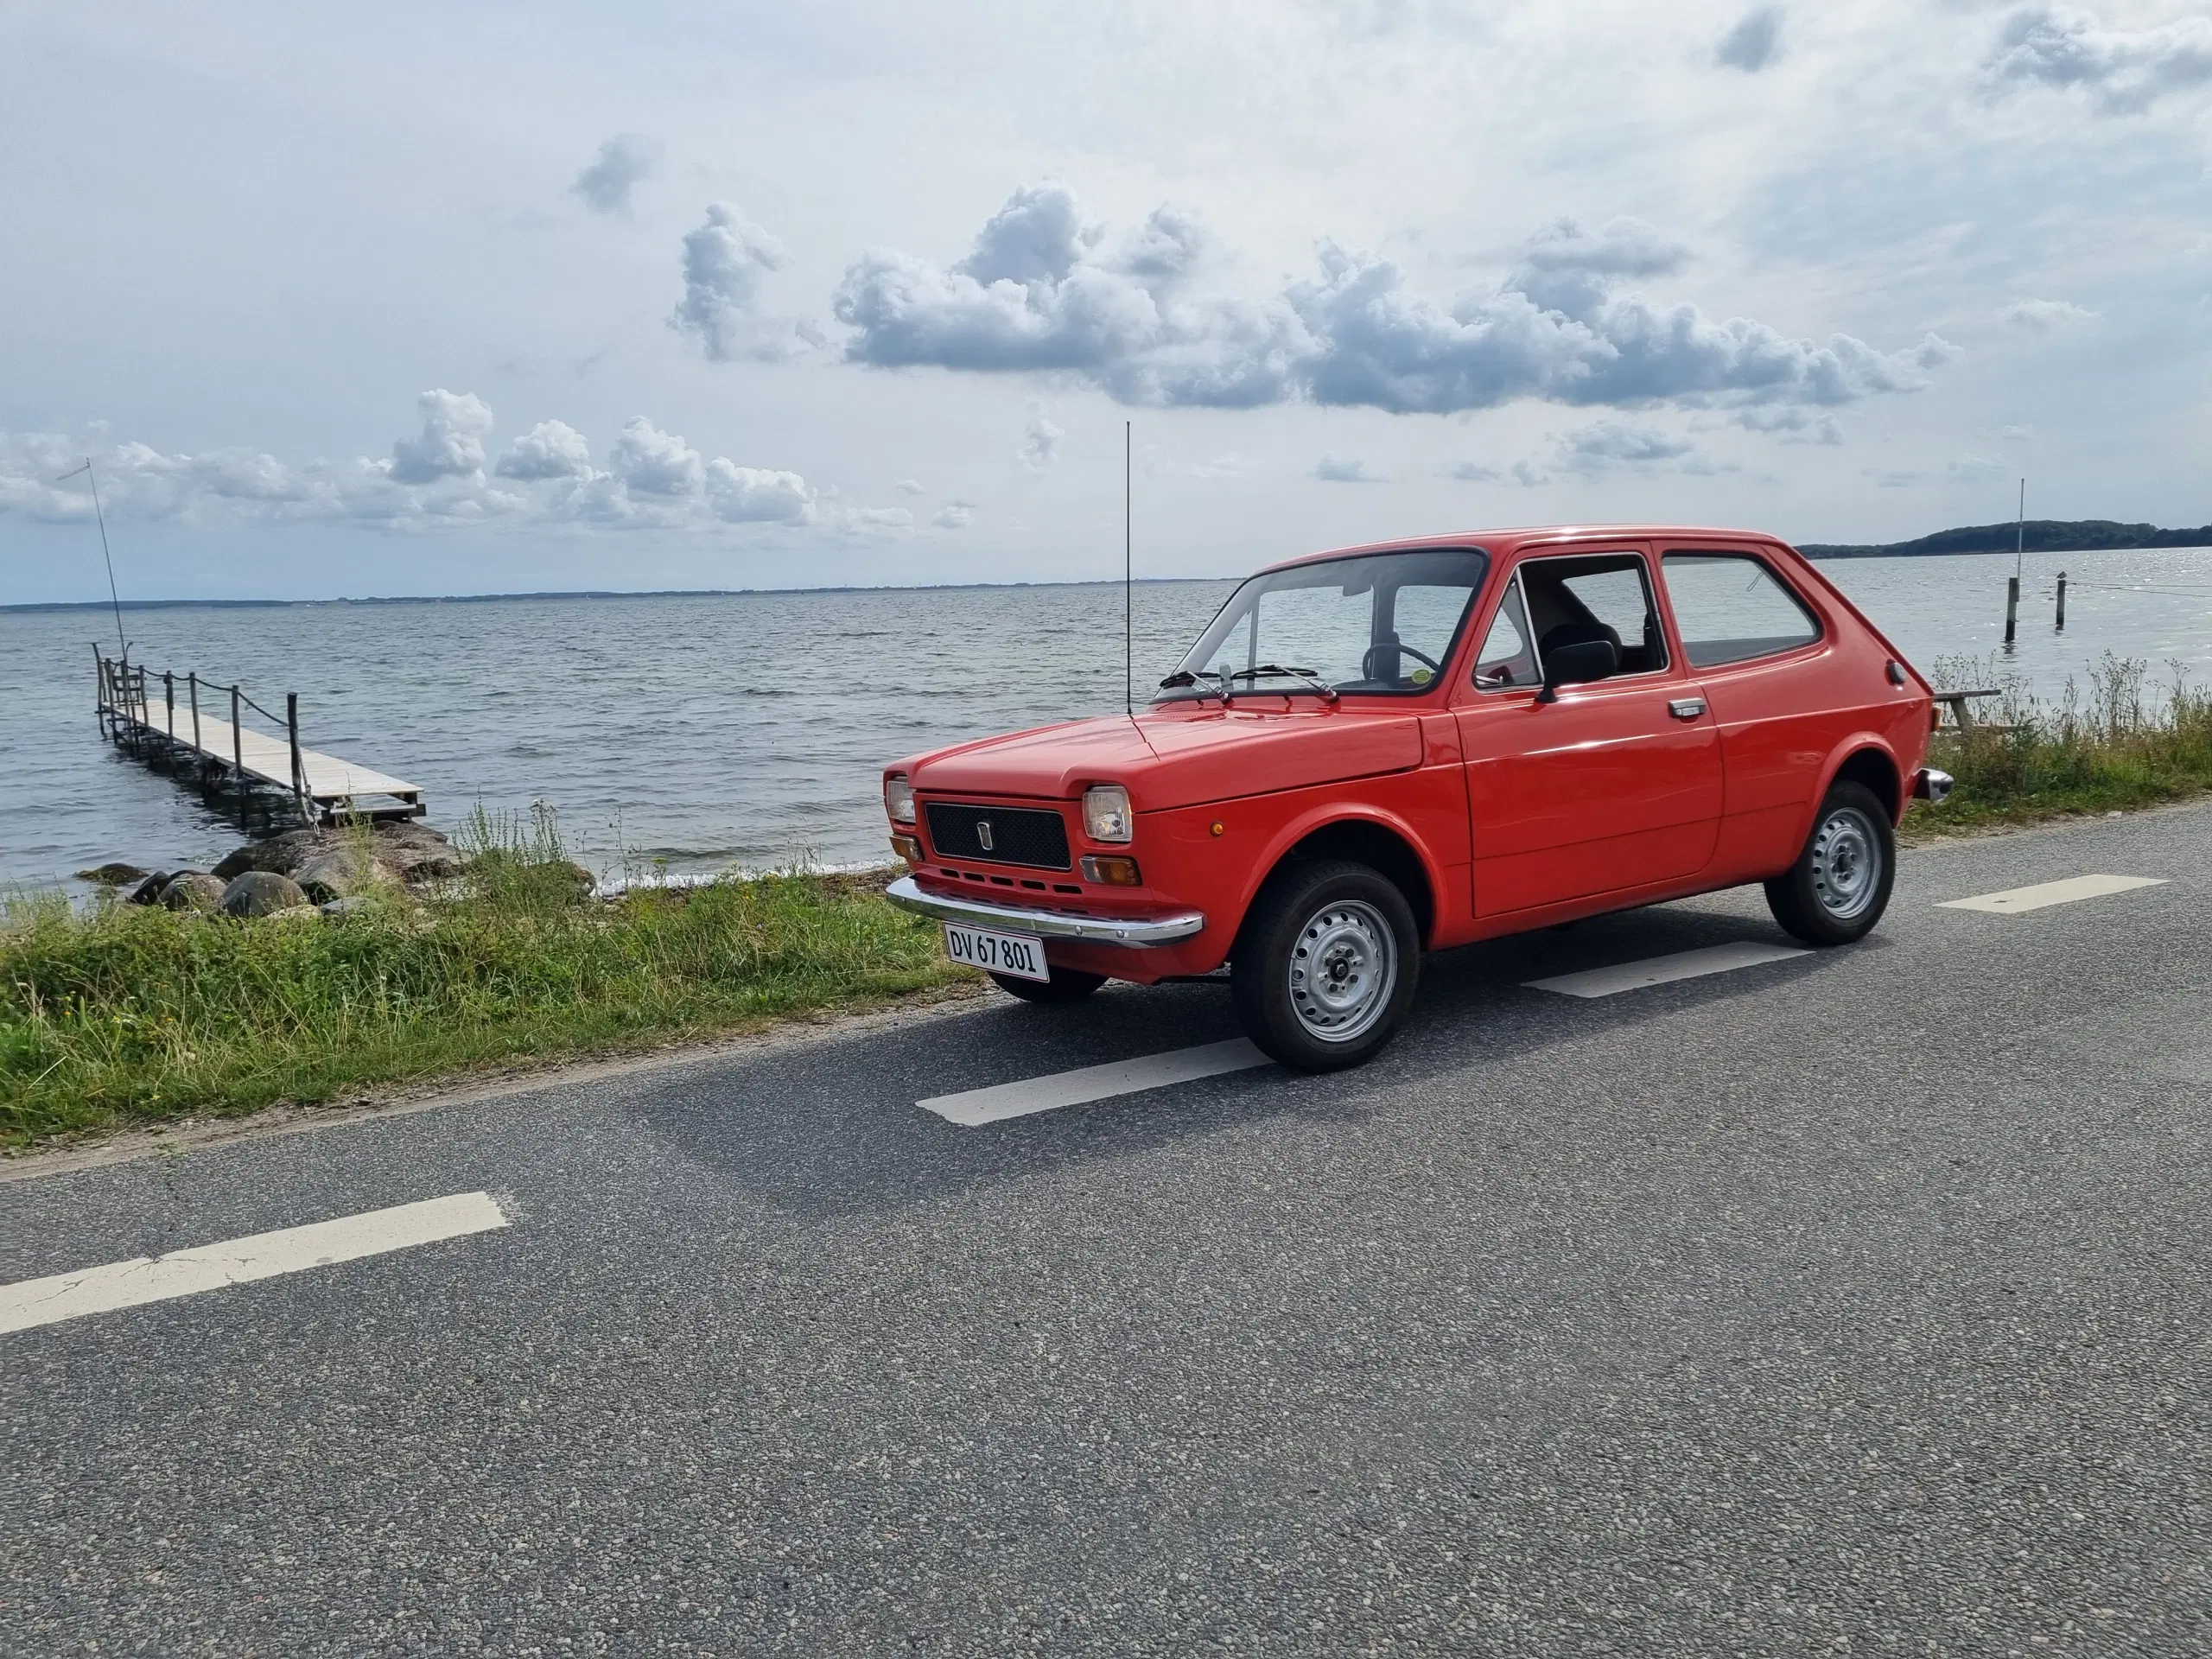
[1046, 924]
[1930, 786]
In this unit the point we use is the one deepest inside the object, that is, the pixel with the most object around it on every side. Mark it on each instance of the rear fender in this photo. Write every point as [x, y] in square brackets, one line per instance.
[1858, 743]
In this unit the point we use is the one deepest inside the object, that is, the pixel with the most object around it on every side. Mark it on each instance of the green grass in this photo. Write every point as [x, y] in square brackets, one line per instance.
[123, 1015]
[2120, 742]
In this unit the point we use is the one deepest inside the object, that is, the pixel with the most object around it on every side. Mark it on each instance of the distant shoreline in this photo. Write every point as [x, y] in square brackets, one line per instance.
[2041, 536]
[2036, 536]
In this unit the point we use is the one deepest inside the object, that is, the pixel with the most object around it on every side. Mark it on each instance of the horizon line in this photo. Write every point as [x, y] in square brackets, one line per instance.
[589, 593]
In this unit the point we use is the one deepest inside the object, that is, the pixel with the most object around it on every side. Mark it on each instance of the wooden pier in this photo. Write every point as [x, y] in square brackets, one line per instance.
[190, 723]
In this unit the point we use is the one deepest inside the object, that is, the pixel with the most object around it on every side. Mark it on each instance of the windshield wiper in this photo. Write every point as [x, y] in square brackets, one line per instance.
[1183, 677]
[1328, 691]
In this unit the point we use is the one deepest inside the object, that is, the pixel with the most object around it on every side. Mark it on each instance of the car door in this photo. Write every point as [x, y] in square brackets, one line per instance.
[1613, 785]
[1758, 650]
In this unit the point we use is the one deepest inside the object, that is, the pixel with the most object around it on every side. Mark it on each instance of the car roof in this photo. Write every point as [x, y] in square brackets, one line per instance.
[1502, 543]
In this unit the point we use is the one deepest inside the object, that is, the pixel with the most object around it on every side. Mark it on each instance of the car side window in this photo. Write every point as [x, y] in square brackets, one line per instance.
[1575, 599]
[1731, 608]
[1507, 657]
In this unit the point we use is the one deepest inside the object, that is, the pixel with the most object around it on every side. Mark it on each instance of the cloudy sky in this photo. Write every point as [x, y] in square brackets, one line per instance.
[426, 299]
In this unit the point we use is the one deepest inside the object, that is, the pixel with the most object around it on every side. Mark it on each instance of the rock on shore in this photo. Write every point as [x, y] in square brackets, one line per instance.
[404, 853]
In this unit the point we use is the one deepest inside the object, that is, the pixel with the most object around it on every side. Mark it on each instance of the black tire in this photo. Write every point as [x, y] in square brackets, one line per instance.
[1065, 985]
[1839, 885]
[1359, 922]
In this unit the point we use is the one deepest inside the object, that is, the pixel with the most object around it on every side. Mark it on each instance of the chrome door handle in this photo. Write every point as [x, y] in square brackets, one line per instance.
[1686, 708]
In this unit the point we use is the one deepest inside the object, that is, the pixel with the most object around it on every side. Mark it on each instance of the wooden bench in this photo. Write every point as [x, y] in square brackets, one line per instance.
[1962, 720]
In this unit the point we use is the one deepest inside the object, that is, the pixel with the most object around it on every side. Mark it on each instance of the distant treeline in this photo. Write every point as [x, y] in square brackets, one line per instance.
[2043, 535]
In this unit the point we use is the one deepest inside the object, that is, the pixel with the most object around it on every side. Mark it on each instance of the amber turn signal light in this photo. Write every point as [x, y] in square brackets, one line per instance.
[1111, 872]
[908, 847]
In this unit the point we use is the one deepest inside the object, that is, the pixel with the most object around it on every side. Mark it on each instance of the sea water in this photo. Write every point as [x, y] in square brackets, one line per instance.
[686, 734]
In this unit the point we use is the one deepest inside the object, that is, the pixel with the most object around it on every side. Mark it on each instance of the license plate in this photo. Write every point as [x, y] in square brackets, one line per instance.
[1021, 954]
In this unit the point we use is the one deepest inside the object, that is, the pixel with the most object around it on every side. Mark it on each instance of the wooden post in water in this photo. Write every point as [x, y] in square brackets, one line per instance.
[299, 771]
[168, 693]
[238, 755]
[2012, 608]
[2062, 601]
[99, 689]
[199, 754]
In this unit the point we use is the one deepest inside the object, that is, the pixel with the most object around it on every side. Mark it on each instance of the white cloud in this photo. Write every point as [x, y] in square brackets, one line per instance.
[753, 495]
[1333, 469]
[911, 486]
[724, 261]
[1040, 441]
[1609, 446]
[1791, 425]
[2044, 315]
[1976, 469]
[1046, 289]
[549, 450]
[1753, 43]
[452, 441]
[654, 480]
[624, 162]
[2123, 71]
[956, 515]
[1473, 472]
[650, 461]
[869, 517]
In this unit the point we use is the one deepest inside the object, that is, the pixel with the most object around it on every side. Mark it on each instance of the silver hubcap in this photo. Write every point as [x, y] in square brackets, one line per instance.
[1846, 862]
[1342, 971]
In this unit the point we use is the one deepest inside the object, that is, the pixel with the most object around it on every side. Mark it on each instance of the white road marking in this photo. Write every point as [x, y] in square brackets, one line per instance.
[1005, 1100]
[2012, 900]
[263, 1256]
[1664, 970]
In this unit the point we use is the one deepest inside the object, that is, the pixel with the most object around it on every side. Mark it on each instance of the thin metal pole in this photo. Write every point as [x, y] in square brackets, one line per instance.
[100, 518]
[1128, 582]
[2020, 535]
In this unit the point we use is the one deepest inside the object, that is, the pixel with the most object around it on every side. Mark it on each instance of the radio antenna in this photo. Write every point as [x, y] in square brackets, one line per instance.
[1129, 581]
[92, 478]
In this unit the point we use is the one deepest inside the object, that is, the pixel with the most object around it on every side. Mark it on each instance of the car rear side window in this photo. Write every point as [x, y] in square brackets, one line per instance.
[1731, 608]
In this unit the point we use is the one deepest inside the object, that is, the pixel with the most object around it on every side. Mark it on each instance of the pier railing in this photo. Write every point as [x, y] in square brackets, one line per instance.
[127, 716]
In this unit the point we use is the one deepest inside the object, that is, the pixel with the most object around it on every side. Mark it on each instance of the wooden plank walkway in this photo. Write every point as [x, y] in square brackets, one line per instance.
[335, 785]
[159, 717]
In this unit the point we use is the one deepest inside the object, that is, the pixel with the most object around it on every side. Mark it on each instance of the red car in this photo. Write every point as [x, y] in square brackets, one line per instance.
[1377, 752]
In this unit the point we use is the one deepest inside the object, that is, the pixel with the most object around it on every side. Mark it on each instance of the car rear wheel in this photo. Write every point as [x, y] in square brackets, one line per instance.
[1839, 885]
[1326, 965]
[1065, 985]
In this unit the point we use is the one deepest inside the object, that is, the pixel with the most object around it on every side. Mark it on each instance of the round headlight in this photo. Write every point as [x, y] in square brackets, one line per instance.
[1106, 815]
[899, 799]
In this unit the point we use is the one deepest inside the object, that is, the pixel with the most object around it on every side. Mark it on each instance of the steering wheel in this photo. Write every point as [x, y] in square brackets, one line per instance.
[1367, 664]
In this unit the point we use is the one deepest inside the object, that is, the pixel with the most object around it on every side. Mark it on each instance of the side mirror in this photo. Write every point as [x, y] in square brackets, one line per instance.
[1577, 665]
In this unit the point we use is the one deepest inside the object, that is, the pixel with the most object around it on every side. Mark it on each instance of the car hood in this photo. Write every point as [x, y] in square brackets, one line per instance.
[1180, 757]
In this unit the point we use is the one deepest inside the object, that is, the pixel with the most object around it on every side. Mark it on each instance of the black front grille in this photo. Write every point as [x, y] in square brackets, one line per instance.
[999, 834]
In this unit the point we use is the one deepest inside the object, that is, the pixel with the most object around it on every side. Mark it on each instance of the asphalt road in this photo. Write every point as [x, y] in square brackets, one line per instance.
[1857, 1301]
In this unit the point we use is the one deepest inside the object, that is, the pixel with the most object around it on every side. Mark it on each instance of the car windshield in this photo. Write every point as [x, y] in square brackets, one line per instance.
[1376, 624]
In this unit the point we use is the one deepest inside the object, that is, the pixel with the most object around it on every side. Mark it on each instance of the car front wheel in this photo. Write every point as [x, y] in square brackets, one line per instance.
[1326, 965]
[1839, 885]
